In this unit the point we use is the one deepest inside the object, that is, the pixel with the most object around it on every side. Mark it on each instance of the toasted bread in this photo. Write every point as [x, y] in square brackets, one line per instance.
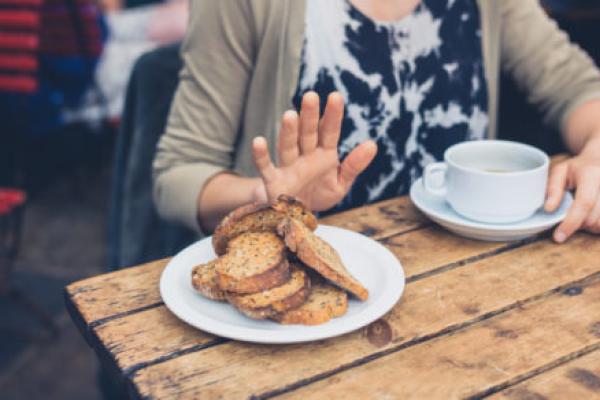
[260, 218]
[204, 280]
[320, 256]
[324, 303]
[255, 261]
[268, 303]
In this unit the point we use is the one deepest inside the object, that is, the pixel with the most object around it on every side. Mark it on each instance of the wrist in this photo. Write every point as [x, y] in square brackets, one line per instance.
[259, 192]
[592, 145]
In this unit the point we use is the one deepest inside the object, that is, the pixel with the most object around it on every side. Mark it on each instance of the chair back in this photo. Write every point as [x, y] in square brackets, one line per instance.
[19, 44]
[32, 31]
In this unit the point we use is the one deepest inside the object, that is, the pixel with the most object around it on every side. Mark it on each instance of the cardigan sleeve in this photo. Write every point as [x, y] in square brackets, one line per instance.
[557, 75]
[218, 55]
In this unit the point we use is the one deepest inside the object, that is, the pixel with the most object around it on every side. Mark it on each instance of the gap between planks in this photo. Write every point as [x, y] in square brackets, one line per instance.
[578, 378]
[545, 251]
[448, 330]
[536, 372]
[129, 371]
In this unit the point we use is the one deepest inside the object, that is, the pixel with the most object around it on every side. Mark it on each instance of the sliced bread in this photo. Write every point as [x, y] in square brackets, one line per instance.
[324, 303]
[255, 261]
[268, 303]
[317, 254]
[260, 218]
[204, 280]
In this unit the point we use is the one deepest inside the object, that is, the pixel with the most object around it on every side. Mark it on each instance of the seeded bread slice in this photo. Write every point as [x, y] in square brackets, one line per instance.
[268, 303]
[260, 218]
[324, 303]
[320, 256]
[255, 261]
[204, 280]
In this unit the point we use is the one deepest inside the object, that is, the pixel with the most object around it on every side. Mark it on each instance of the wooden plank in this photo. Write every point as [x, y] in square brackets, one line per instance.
[475, 360]
[135, 288]
[428, 249]
[149, 336]
[107, 295]
[135, 345]
[129, 289]
[380, 220]
[576, 379]
[430, 306]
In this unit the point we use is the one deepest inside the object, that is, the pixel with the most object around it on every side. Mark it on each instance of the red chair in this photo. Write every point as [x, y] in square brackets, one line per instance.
[19, 43]
[28, 29]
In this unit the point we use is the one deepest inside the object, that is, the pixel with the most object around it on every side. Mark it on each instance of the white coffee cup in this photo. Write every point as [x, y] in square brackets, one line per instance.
[491, 181]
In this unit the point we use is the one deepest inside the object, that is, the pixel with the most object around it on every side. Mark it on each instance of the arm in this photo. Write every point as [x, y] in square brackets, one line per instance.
[223, 193]
[193, 183]
[582, 172]
[557, 76]
[308, 165]
[563, 81]
[218, 55]
[582, 131]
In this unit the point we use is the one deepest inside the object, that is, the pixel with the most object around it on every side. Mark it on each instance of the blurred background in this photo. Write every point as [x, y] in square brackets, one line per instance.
[85, 88]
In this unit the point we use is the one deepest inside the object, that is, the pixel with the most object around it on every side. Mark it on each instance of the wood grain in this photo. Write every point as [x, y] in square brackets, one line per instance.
[476, 359]
[428, 249]
[576, 379]
[149, 336]
[107, 295]
[430, 307]
[380, 220]
[119, 292]
[133, 347]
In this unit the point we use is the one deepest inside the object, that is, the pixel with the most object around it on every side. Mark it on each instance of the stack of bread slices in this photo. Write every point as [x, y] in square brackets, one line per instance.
[271, 265]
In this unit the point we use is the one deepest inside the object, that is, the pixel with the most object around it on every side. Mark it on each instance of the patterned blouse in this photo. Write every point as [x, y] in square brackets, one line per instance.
[415, 86]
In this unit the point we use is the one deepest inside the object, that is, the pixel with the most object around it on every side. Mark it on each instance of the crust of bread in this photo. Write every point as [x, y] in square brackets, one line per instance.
[310, 250]
[204, 280]
[294, 208]
[225, 230]
[275, 276]
[282, 302]
[260, 217]
[324, 303]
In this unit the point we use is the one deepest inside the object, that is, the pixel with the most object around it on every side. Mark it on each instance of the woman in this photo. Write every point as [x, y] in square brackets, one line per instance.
[416, 75]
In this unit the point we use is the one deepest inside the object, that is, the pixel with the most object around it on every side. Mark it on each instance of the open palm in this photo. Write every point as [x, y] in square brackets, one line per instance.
[309, 167]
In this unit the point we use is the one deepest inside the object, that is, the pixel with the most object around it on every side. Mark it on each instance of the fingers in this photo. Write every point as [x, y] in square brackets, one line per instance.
[262, 159]
[557, 184]
[585, 201]
[331, 123]
[592, 223]
[288, 150]
[309, 123]
[356, 162]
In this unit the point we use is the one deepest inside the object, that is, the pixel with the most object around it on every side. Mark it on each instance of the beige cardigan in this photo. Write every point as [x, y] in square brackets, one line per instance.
[241, 65]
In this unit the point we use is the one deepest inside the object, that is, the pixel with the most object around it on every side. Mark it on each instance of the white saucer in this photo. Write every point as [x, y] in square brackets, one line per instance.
[441, 212]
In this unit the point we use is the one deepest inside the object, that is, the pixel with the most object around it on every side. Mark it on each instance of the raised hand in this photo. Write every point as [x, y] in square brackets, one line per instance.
[309, 167]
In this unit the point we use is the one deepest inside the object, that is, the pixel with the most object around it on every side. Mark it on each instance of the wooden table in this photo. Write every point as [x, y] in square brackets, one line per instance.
[496, 320]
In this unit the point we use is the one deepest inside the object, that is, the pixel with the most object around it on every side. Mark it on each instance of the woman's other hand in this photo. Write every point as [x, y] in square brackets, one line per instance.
[581, 173]
[308, 166]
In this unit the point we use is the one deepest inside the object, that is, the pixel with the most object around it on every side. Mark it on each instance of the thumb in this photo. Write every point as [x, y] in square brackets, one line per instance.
[557, 184]
[356, 162]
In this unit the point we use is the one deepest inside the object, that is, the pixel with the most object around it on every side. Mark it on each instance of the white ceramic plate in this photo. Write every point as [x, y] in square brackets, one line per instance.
[371, 263]
[441, 212]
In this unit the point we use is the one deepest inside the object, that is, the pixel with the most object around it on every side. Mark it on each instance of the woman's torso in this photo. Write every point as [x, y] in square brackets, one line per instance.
[415, 86]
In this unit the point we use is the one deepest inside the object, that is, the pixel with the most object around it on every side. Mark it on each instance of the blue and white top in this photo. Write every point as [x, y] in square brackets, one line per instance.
[415, 86]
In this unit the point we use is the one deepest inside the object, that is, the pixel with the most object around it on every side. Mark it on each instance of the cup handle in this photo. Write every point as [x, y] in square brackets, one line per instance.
[430, 171]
